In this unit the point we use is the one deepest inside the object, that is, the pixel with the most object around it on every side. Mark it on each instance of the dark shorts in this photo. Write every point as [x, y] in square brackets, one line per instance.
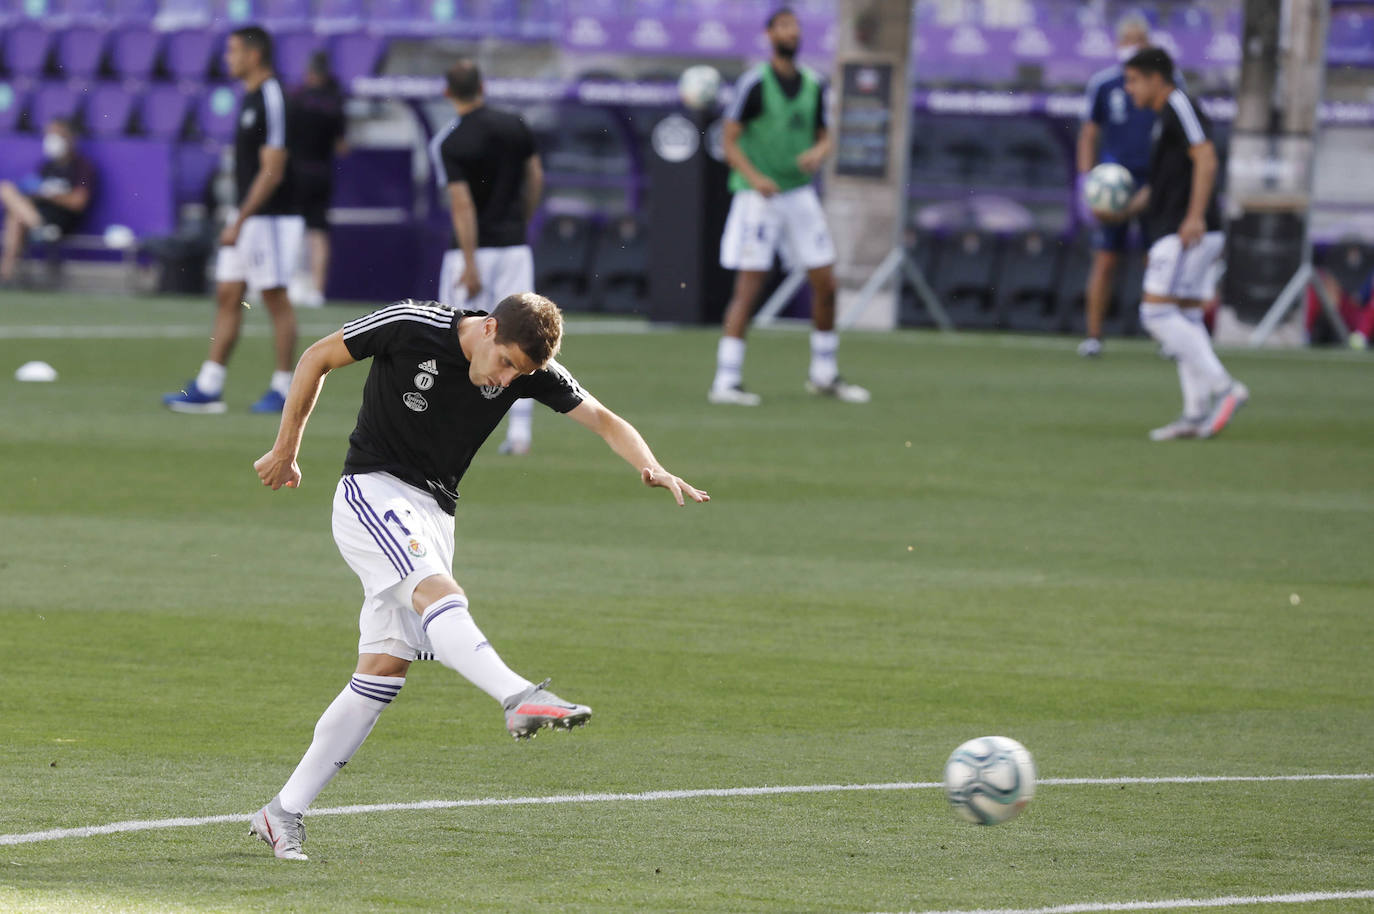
[1117, 237]
[313, 193]
[64, 219]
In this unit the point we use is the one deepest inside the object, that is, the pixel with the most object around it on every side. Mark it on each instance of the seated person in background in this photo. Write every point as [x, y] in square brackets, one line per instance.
[1357, 310]
[54, 200]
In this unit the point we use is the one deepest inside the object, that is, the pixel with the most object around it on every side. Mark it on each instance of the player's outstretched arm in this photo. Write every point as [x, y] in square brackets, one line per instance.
[278, 467]
[626, 441]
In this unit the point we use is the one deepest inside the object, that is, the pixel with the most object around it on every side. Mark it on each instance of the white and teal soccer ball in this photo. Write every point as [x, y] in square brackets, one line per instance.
[990, 779]
[698, 86]
[1108, 188]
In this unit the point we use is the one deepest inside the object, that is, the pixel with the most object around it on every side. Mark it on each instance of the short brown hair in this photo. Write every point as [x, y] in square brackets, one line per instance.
[532, 322]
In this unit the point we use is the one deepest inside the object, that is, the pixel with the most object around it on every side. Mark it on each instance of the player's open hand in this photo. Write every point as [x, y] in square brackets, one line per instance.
[659, 478]
[276, 471]
[470, 282]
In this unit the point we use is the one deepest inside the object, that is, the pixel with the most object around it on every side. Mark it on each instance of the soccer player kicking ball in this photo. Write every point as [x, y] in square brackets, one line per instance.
[441, 380]
[1184, 225]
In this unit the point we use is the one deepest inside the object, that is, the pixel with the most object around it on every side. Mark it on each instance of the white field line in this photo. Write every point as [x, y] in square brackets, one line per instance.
[88, 831]
[193, 331]
[1225, 901]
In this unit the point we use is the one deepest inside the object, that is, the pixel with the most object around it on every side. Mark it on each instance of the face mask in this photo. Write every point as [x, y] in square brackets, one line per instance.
[54, 146]
[1126, 53]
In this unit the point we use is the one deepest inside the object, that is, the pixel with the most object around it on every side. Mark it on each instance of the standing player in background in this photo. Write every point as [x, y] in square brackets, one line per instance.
[318, 136]
[1114, 130]
[259, 247]
[1183, 223]
[775, 142]
[485, 162]
[439, 383]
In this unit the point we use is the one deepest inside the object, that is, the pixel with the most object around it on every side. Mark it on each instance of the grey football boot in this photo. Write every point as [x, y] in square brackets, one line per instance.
[537, 707]
[284, 832]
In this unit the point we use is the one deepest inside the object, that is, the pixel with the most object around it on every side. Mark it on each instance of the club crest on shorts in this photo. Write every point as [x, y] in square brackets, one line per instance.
[424, 381]
[415, 402]
[491, 391]
[416, 548]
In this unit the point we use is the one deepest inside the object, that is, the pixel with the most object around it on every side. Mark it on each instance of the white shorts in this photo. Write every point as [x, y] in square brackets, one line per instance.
[504, 271]
[393, 536]
[265, 255]
[1184, 274]
[791, 223]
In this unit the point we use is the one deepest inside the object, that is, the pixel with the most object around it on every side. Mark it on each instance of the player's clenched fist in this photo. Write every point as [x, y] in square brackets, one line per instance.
[276, 471]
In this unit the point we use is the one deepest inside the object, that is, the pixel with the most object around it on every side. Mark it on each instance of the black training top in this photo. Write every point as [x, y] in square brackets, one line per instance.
[318, 124]
[262, 122]
[487, 149]
[1180, 126]
[422, 419]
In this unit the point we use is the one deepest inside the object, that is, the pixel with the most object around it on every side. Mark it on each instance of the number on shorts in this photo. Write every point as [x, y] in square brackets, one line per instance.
[391, 516]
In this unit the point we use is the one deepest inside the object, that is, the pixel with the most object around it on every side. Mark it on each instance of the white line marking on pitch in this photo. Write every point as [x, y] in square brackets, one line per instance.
[1225, 901]
[88, 831]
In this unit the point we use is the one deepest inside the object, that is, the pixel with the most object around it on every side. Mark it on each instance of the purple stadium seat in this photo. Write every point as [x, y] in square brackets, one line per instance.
[55, 100]
[183, 14]
[193, 167]
[26, 48]
[409, 16]
[12, 101]
[293, 55]
[189, 54]
[108, 107]
[216, 113]
[130, 11]
[78, 50]
[336, 15]
[162, 112]
[284, 14]
[355, 55]
[133, 51]
[234, 13]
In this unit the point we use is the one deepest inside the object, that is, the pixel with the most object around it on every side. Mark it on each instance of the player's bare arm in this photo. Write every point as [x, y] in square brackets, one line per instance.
[1204, 156]
[1134, 207]
[1088, 135]
[736, 159]
[271, 172]
[626, 441]
[464, 213]
[278, 467]
[534, 186]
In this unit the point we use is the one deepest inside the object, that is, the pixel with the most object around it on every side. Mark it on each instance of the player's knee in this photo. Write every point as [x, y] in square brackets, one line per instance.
[431, 589]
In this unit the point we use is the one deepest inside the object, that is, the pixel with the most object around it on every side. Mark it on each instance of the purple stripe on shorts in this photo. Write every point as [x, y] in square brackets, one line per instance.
[353, 494]
[382, 699]
[439, 611]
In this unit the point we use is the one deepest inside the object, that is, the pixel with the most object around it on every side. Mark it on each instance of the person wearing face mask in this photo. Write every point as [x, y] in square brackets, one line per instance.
[775, 140]
[1114, 130]
[55, 200]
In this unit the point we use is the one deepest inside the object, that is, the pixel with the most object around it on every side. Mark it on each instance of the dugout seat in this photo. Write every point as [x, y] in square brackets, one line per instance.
[1074, 264]
[52, 100]
[79, 50]
[276, 15]
[133, 52]
[1025, 284]
[923, 248]
[620, 279]
[189, 54]
[162, 112]
[217, 113]
[562, 255]
[109, 108]
[965, 276]
[26, 46]
[1349, 261]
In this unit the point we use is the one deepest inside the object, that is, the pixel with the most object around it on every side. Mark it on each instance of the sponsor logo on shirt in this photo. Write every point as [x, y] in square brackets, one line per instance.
[491, 391]
[415, 402]
[430, 366]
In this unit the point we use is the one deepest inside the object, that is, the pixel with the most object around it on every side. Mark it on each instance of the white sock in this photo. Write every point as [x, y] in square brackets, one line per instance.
[729, 362]
[521, 427]
[1184, 338]
[341, 730]
[460, 645]
[210, 380]
[824, 365]
[281, 382]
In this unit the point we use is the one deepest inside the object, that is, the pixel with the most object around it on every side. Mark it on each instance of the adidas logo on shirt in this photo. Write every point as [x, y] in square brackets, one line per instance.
[430, 366]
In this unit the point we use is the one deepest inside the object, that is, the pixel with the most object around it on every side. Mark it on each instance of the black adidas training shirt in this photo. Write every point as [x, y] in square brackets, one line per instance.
[422, 419]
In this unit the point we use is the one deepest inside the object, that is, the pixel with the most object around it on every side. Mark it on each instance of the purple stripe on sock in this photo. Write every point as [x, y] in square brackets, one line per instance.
[369, 520]
[378, 686]
[383, 700]
[438, 611]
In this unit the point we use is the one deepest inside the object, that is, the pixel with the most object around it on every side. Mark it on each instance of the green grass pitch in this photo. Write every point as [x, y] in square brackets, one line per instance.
[991, 546]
